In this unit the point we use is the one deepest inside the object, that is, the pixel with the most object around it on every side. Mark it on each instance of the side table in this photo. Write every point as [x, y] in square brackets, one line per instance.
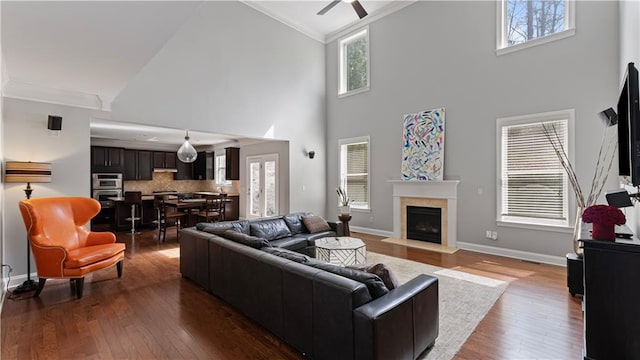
[344, 219]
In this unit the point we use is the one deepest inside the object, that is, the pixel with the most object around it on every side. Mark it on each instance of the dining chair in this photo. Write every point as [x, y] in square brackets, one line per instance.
[167, 217]
[212, 208]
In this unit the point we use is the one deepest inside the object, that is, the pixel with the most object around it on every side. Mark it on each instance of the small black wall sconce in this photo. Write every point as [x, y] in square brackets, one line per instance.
[311, 154]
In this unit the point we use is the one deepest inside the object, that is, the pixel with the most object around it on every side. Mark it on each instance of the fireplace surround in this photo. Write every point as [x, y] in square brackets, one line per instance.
[433, 194]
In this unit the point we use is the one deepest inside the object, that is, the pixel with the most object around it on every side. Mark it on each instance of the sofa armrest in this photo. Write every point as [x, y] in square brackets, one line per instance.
[401, 324]
[336, 227]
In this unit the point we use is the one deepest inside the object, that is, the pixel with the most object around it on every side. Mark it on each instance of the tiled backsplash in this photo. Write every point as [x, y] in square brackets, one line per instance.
[164, 181]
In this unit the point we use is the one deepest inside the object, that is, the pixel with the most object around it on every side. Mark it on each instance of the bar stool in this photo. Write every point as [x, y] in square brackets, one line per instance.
[133, 199]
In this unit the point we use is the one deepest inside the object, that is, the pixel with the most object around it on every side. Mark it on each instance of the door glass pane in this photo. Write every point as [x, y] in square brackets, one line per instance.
[270, 187]
[254, 189]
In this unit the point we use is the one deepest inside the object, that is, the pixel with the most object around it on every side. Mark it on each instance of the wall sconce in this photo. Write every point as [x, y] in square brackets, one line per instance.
[311, 154]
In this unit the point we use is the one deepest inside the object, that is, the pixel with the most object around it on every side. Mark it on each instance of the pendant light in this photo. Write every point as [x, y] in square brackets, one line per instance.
[187, 153]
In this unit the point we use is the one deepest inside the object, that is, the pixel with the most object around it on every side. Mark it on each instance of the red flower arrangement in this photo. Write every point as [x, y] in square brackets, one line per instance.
[604, 219]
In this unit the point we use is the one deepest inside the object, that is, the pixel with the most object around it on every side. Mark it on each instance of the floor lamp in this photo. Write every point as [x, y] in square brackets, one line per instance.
[27, 172]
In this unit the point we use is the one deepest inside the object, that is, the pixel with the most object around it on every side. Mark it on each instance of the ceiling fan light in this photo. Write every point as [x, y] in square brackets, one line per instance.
[187, 153]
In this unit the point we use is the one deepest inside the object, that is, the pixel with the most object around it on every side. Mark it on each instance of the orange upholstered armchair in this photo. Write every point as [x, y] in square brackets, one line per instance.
[62, 245]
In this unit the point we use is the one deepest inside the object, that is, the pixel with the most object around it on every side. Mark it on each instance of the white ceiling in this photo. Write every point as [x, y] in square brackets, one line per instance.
[95, 48]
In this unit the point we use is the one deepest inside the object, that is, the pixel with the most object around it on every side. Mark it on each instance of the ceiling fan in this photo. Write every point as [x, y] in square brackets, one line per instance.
[355, 3]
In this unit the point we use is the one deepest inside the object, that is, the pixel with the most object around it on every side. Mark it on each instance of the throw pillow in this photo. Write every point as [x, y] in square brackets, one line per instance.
[374, 284]
[387, 276]
[294, 222]
[315, 224]
[254, 242]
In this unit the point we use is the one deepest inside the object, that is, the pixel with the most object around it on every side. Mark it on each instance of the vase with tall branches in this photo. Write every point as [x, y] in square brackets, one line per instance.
[603, 167]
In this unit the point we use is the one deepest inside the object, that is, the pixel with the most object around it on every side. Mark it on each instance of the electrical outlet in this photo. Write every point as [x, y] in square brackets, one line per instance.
[371, 219]
[494, 235]
[488, 234]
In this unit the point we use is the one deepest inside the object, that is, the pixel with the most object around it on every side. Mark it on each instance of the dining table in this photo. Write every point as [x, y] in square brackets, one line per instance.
[186, 204]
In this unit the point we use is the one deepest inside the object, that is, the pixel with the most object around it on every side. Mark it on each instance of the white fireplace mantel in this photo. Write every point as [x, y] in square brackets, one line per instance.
[446, 189]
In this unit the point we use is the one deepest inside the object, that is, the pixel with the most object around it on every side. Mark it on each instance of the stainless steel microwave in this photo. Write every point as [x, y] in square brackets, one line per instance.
[107, 181]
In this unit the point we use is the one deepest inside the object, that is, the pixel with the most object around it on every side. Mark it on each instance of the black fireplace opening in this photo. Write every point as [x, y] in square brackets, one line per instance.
[424, 224]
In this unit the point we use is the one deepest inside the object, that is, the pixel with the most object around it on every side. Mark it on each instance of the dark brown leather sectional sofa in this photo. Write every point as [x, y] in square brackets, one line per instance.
[321, 314]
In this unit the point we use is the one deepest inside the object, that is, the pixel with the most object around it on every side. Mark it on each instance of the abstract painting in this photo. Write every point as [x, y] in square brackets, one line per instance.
[423, 145]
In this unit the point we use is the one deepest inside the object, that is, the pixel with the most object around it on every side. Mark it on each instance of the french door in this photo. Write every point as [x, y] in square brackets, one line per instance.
[262, 187]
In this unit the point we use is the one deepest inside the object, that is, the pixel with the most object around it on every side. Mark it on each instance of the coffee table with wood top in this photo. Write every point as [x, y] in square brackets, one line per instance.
[341, 250]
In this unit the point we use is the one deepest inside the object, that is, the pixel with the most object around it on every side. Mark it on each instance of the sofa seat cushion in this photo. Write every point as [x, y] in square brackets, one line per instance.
[374, 284]
[254, 242]
[270, 229]
[315, 224]
[311, 238]
[287, 254]
[290, 243]
[91, 254]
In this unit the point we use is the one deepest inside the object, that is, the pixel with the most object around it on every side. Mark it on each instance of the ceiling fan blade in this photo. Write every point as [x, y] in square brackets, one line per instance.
[359, 9]
[329, 7]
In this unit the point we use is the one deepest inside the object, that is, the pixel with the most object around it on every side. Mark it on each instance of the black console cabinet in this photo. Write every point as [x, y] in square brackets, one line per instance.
[612, 299]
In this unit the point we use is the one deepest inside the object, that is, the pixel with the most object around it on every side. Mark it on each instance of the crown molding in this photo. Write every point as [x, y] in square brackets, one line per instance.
[298, 27]
[385, 11]
[25, 91]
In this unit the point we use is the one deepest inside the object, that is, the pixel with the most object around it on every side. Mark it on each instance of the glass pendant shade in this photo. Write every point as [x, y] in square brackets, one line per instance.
[187, 153]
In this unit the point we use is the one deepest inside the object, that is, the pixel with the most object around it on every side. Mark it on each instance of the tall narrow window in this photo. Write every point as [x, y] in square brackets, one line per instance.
[354, 171]
[533, 186]
[221, 170]
[354, 63]
[533, 22]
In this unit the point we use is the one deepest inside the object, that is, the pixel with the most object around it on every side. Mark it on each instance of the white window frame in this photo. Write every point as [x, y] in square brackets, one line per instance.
[220, 181]
[342, 67]
[501, 29]
[365, 207]
[569, 204]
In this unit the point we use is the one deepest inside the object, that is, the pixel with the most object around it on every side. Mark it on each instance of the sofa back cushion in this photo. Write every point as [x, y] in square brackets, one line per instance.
[218, 228]
[373, 282]
[315, 224]
[254, 242]
[287, 254]
[270, 229]
[294, 222]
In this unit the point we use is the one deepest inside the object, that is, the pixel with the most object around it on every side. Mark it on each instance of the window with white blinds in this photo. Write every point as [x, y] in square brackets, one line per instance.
[533, 186]
[354, 170]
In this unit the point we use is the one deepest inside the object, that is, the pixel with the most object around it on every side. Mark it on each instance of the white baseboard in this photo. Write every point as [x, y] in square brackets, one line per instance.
[492, 250]
[516, 254]
[369, 231]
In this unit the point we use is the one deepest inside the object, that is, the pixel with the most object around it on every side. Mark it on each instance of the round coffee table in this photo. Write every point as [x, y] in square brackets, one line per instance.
[341, 250]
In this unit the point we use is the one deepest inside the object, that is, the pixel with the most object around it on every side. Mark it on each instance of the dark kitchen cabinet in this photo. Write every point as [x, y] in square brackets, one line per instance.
[185, 170]
[232, 208]
[107, 159]
[164, 160]
[138, 165]
[203, 166]
[232, 163]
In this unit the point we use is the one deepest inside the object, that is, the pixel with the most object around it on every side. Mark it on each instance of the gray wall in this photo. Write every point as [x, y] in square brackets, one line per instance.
[233, 70]
[26, 138]
[434, 54]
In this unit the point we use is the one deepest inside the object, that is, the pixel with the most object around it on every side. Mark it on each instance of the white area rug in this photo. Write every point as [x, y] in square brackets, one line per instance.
[464, 300]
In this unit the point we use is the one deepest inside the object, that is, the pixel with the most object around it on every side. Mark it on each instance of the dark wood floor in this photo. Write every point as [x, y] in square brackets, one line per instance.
[153, 313]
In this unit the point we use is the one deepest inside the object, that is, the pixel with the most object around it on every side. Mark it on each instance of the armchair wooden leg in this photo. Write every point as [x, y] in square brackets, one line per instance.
[79, 287]
[119, 268]
[41, 282]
